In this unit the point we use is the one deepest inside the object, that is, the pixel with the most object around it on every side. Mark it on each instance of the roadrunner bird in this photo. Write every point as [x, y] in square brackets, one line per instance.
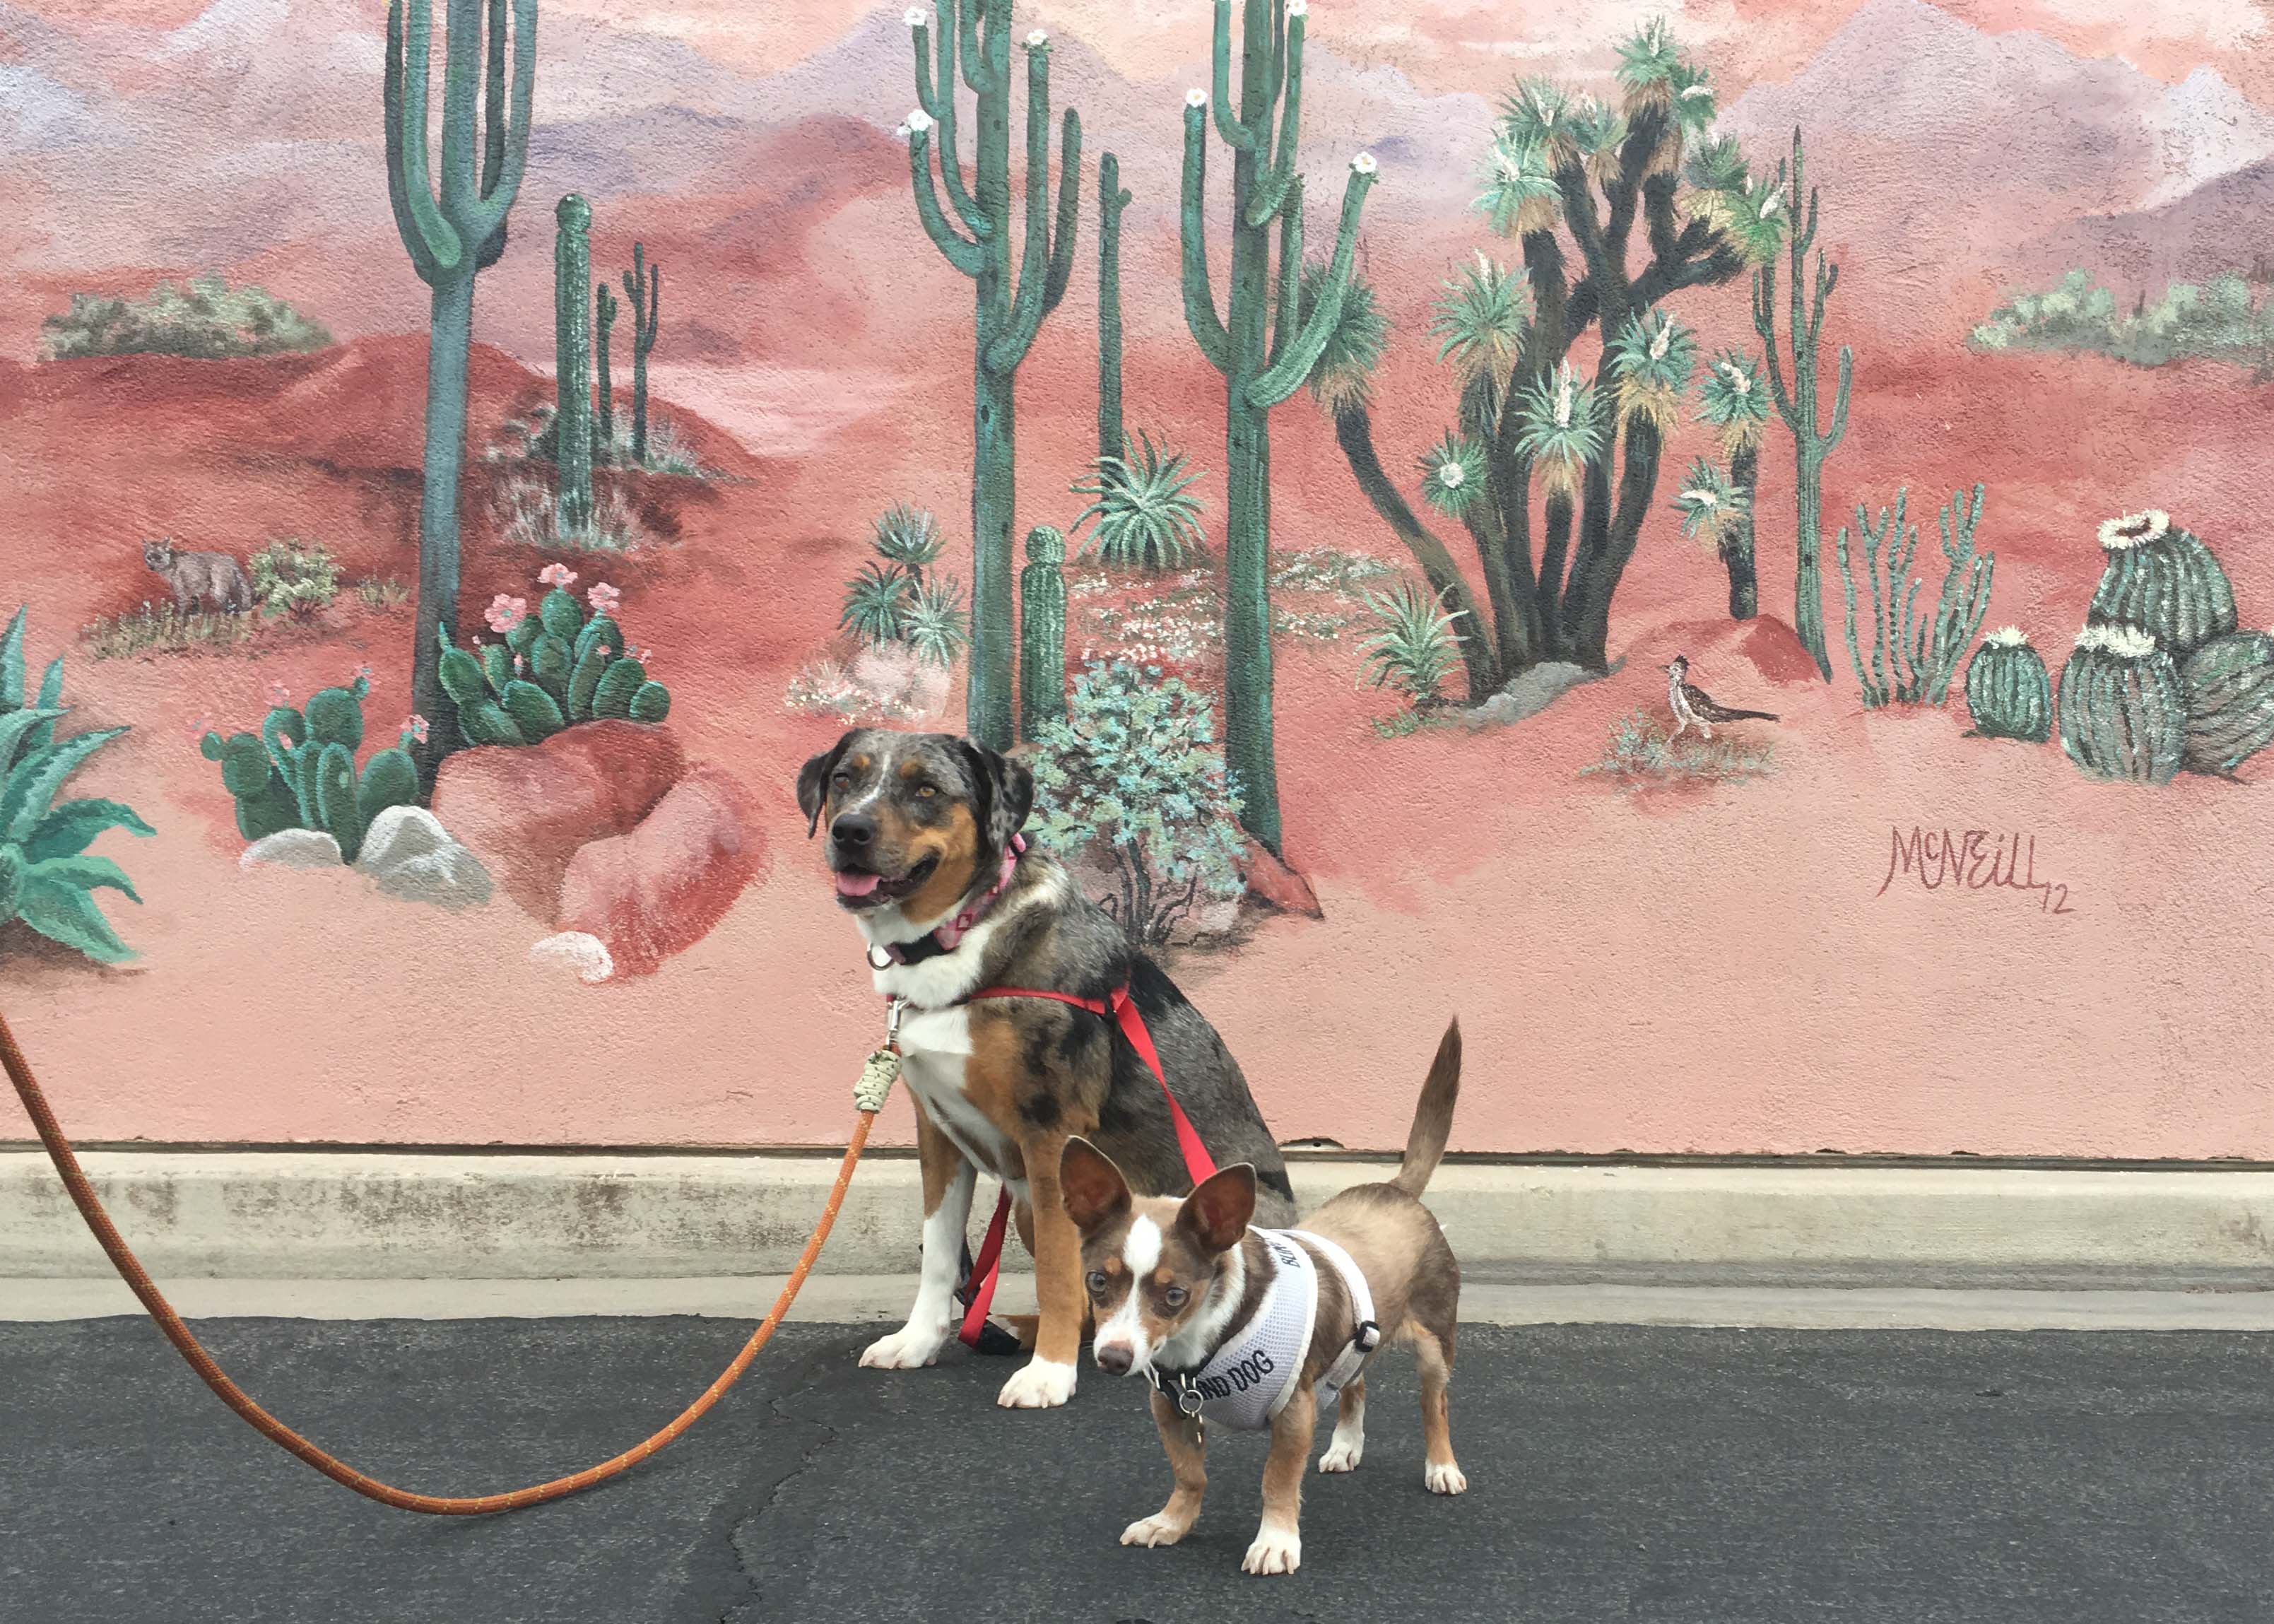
[1692, 703]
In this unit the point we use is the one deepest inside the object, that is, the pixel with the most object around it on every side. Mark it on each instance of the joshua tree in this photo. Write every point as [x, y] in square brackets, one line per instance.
[1574, 180]
[1111, 199]
[643, 287]
[1263, 361]
[605, 307]
[1797, 404]
[452, 233]
[1009, 310]
[1733, 403]
[572, 368]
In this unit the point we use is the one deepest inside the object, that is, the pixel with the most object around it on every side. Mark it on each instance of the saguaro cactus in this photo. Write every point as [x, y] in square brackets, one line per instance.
[1008, 312]
[1797, 404]
[572, 366]
[1041, 631]
[1111, 199]
[452, 232]
[604, 310]
[1263, 362]
[643, 287]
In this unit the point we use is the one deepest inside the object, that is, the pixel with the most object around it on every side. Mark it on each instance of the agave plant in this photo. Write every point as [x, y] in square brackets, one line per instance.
[1144, 510]
[1711, 505]
[876, 603]
[909, 535]
[1414, 649]
[1732, 402]
[934, 625]
[1480, 321]
[1453, 475]
[1562, 434]
[48, 877]
[1652, 357]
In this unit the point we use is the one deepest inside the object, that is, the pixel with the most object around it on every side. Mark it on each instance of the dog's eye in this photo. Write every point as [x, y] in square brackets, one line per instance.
[925, 792]
[1174, 1297]
[1096, 1282]
[839, 780]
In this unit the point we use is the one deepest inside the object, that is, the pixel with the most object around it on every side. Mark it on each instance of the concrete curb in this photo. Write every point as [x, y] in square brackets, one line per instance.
[349, 1216]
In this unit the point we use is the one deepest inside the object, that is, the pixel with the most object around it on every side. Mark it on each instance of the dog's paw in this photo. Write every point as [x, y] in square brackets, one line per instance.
[1342, 1457]
[906, 1349]
[1042, 1384]
[1276, 1551]
[1152, 1531]
[1446, 1479]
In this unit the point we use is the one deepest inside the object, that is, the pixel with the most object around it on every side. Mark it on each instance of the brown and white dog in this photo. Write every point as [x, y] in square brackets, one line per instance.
[922, 841]
[1255, 1329]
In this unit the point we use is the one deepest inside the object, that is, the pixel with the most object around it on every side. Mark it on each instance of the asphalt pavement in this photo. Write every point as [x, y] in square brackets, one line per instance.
[1616, 1473]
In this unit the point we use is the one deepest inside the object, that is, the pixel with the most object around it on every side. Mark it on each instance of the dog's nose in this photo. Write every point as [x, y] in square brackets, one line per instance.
[853, 830]
[1114, 1357]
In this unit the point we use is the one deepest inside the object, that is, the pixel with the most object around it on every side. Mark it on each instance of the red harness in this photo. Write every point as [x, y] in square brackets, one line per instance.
[1123, 1011]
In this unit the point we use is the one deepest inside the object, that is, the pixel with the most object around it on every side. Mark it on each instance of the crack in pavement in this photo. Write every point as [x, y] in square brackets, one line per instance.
[738, 1523]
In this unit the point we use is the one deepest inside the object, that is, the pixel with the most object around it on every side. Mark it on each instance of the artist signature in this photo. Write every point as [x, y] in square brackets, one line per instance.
[1971, 860]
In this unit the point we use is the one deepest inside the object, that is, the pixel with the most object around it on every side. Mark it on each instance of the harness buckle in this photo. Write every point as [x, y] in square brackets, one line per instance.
[892, 1014]
[1367, 1336]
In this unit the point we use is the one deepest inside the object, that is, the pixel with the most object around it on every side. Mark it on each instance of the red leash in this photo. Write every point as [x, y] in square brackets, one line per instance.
[1122, 1010]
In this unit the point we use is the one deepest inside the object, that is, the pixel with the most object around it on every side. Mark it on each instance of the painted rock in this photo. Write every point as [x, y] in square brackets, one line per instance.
[408, 853]
[658, 889]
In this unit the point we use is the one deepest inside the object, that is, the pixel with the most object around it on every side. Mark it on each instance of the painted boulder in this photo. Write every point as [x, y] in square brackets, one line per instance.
[659, 889]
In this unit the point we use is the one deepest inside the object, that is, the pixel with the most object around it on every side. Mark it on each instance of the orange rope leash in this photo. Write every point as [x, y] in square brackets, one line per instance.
[129, 1269]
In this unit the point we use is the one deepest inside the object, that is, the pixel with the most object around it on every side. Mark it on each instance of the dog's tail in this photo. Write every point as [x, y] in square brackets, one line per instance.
[1433, 1118]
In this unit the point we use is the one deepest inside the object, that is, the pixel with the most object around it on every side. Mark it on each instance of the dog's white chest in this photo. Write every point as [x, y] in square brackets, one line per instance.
[935, 1044]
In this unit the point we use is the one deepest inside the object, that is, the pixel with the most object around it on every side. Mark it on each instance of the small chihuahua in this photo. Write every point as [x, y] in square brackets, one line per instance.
[1255, 1329]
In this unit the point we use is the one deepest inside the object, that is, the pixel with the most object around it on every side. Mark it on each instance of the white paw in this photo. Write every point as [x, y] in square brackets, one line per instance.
[1446, 1479]
[1342, 1457]
[1042, 1385]
[1152, 1531]
[909, 1347]
[1276, 1551]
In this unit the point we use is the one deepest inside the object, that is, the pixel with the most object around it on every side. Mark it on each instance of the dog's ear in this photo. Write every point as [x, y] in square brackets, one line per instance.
[1004, 793]
[1090, 1185]
[1220, 1207]
[813, 782]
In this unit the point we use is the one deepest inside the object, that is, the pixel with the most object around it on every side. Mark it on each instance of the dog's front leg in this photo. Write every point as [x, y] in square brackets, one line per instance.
[1279, 1547]
[1187, 1448]
[947, 1181]
[1048, 1379]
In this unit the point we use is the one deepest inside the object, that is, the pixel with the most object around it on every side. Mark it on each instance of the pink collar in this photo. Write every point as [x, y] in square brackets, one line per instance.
[945, 937]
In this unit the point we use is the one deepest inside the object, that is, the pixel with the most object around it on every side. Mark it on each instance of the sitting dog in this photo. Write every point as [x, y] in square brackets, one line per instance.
[924, 844]
[1255, 1329]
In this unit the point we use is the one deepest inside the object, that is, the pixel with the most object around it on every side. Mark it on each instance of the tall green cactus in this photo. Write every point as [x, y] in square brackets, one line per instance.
[572, 359]
[1042, 631]
[1913, 658]
[2008, 693]
[2164, 581]
[1812, 443]
[1008, 307]
[1262, 361]
[2123, 712]
[1112, 198]
[452, 226]
[643, 287]
[604, 438]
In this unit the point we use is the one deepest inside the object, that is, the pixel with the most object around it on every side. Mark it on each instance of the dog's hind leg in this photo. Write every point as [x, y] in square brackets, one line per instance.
[1434, 1351]
[1348, 1446]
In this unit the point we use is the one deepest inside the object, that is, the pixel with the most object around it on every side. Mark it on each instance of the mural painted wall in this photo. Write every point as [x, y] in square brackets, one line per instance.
[1726, 542]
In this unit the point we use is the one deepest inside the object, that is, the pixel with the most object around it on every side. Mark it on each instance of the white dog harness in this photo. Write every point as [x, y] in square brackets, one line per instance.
[1248, 1381]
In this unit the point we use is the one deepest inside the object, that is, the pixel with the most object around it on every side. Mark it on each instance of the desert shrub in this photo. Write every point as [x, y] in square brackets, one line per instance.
[1142, 509]
[294, 577]
[1134, 778]
[388, 594]
[48, 877]
[1638, 753]
[523, 511]
[161, 628]
[891, 600]
[204, 317]
[2217, 320]
[1412, 647]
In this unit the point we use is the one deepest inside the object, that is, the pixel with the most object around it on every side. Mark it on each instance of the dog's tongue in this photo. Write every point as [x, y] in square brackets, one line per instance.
[856, 884]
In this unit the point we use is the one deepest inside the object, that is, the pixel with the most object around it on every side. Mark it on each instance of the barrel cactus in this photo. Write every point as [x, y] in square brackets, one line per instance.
[1041, 631]
[556, 667]
[2230, 688]
[2163, 580]
[2123, 713]
[300, 771]
[2007, 692]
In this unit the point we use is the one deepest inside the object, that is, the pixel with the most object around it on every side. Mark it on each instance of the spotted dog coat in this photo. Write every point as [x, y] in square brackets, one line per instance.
[917, 826]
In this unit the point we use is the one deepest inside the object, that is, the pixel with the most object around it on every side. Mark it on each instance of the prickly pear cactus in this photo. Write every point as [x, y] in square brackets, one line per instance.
[300, 772]
[556, 667]
[2123, 713]
[2007, 692]
[2229, 689]
[1041, 631]
[2163, 580]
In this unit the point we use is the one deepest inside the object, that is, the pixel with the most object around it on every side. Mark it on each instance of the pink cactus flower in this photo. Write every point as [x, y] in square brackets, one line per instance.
[506, 612]
[603, 598]
[279, 694]
[556, 574]
[417, 727]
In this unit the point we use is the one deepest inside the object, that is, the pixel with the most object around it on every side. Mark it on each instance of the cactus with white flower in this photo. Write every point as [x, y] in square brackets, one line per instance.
[2008, 693]
[2123, 708]
[2163, 579]
[973, 229]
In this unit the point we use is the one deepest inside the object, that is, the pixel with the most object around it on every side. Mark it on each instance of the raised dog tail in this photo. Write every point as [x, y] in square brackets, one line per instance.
[1433, 1118]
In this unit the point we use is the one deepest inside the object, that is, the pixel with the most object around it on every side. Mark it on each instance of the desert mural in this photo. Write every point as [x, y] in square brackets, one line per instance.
[1726, 543]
